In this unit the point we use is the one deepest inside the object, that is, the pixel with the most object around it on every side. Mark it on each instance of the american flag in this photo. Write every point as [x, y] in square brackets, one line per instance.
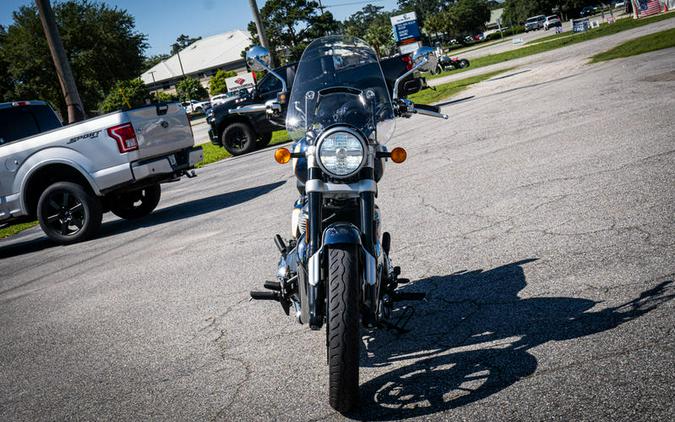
[647, 7]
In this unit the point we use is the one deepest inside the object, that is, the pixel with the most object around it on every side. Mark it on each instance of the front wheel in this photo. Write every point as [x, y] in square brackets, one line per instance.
[137, 203]
[238, 138]
[68, 213]
[343, 328]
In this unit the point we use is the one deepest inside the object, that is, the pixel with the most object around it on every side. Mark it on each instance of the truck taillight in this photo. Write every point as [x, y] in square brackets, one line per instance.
[125, 137]
[408, 61]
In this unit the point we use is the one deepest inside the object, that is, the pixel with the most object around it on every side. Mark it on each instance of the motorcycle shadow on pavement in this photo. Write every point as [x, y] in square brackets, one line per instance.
[171, 213]
[472, 339]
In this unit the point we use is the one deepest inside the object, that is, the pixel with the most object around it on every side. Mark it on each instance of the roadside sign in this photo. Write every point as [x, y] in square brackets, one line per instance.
[406, 31]
[243, 81]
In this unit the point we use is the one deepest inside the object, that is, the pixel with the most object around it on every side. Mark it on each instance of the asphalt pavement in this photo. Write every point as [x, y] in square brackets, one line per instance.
[538, 219]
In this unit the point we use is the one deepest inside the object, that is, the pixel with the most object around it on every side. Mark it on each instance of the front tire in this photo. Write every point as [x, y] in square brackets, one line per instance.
[68, 213]
[343, 328]
[239, 139]
[137, 203]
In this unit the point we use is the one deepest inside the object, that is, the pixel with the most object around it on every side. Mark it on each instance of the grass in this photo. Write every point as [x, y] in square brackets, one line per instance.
[447, 90]
[651, 42]
[213, 153]
[561, 40]
[16, 228]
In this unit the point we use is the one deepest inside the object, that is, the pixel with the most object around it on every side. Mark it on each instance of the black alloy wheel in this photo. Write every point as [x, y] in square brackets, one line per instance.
[239, 139]
[68, 213]
[264, 140]
[137, 203]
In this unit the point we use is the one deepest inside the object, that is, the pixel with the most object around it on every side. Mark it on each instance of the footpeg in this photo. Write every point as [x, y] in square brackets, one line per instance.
[272, 285]
[265, 296]
[409, 296]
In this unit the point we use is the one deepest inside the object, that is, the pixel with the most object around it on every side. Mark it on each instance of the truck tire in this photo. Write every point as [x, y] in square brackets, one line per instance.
[239, 139]
[343, 328]
[68, 213]
[137, 203]
[264, 140]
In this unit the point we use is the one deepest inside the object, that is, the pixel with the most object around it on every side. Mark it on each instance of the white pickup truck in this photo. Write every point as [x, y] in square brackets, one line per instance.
[68, 176]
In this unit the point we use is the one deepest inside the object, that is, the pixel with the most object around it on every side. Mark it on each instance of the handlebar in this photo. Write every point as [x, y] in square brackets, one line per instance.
[429, 110]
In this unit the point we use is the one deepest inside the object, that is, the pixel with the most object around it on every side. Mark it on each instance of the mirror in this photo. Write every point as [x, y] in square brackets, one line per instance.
[423, 53]
[258, 58]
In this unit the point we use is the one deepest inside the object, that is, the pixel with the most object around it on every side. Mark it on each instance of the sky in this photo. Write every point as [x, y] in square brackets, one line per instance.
[164, 20]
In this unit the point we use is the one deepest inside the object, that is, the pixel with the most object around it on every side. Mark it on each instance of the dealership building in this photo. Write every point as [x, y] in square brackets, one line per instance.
[200, 60]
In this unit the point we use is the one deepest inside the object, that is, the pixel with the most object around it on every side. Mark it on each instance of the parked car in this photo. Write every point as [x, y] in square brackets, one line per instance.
[196, 107]
[223, 98]
[535, 23]
[588, 11]
[66, 177]
[552, 22]
[243, 133]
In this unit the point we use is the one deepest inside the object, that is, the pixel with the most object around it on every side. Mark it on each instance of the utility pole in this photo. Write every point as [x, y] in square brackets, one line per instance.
[65, 74]
[260, 28]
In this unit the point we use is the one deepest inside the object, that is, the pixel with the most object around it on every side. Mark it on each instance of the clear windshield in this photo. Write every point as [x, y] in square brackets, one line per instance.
[339, 82]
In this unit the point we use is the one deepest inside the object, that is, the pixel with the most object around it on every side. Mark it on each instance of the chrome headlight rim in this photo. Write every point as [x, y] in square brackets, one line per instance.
[331, 131]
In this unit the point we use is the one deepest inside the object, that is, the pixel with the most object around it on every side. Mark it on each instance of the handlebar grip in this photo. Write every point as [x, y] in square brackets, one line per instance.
[431, 111]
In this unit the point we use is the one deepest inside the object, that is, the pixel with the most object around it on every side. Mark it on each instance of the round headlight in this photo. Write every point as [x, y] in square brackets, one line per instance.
[340, 153]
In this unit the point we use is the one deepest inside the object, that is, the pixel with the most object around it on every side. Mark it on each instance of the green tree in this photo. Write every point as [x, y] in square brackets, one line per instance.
[182, 42]
[423, 8]
[466, 17]
[217, 82]
[191, 89]
[292, 24]
[373, 25]
[101, 43]
[164, 97]
[125, 94]
[469, 17]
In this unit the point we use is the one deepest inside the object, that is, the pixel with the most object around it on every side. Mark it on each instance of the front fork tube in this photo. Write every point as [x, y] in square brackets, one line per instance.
[371, 287]
[315, 295]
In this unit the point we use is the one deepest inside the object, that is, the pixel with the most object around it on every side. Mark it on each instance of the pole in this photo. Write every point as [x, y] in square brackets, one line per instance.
[181, 64]
[65, 74]
[260, 28]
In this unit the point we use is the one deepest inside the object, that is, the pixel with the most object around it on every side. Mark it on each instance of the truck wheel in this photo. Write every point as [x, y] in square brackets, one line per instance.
[68, 213]
[136, 204]
[238, 139]
[264, 140]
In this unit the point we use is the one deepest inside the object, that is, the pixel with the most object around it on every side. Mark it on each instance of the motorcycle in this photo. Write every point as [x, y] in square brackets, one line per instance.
[335, 269]
[445, 63]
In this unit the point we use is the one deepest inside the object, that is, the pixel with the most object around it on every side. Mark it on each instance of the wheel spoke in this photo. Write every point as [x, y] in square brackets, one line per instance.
[52, 218]
[78, 206]
[64, 227]
[66, 196]
[54, 205]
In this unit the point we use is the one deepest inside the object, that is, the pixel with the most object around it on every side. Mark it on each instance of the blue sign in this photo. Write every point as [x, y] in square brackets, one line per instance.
[406, 30]
[405, 27]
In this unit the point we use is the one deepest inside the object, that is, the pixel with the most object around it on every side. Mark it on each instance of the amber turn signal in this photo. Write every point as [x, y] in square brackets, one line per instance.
[398, 155]
[282, 155]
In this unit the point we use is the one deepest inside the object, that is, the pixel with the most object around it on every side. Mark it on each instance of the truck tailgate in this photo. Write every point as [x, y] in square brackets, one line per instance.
[160, 129]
